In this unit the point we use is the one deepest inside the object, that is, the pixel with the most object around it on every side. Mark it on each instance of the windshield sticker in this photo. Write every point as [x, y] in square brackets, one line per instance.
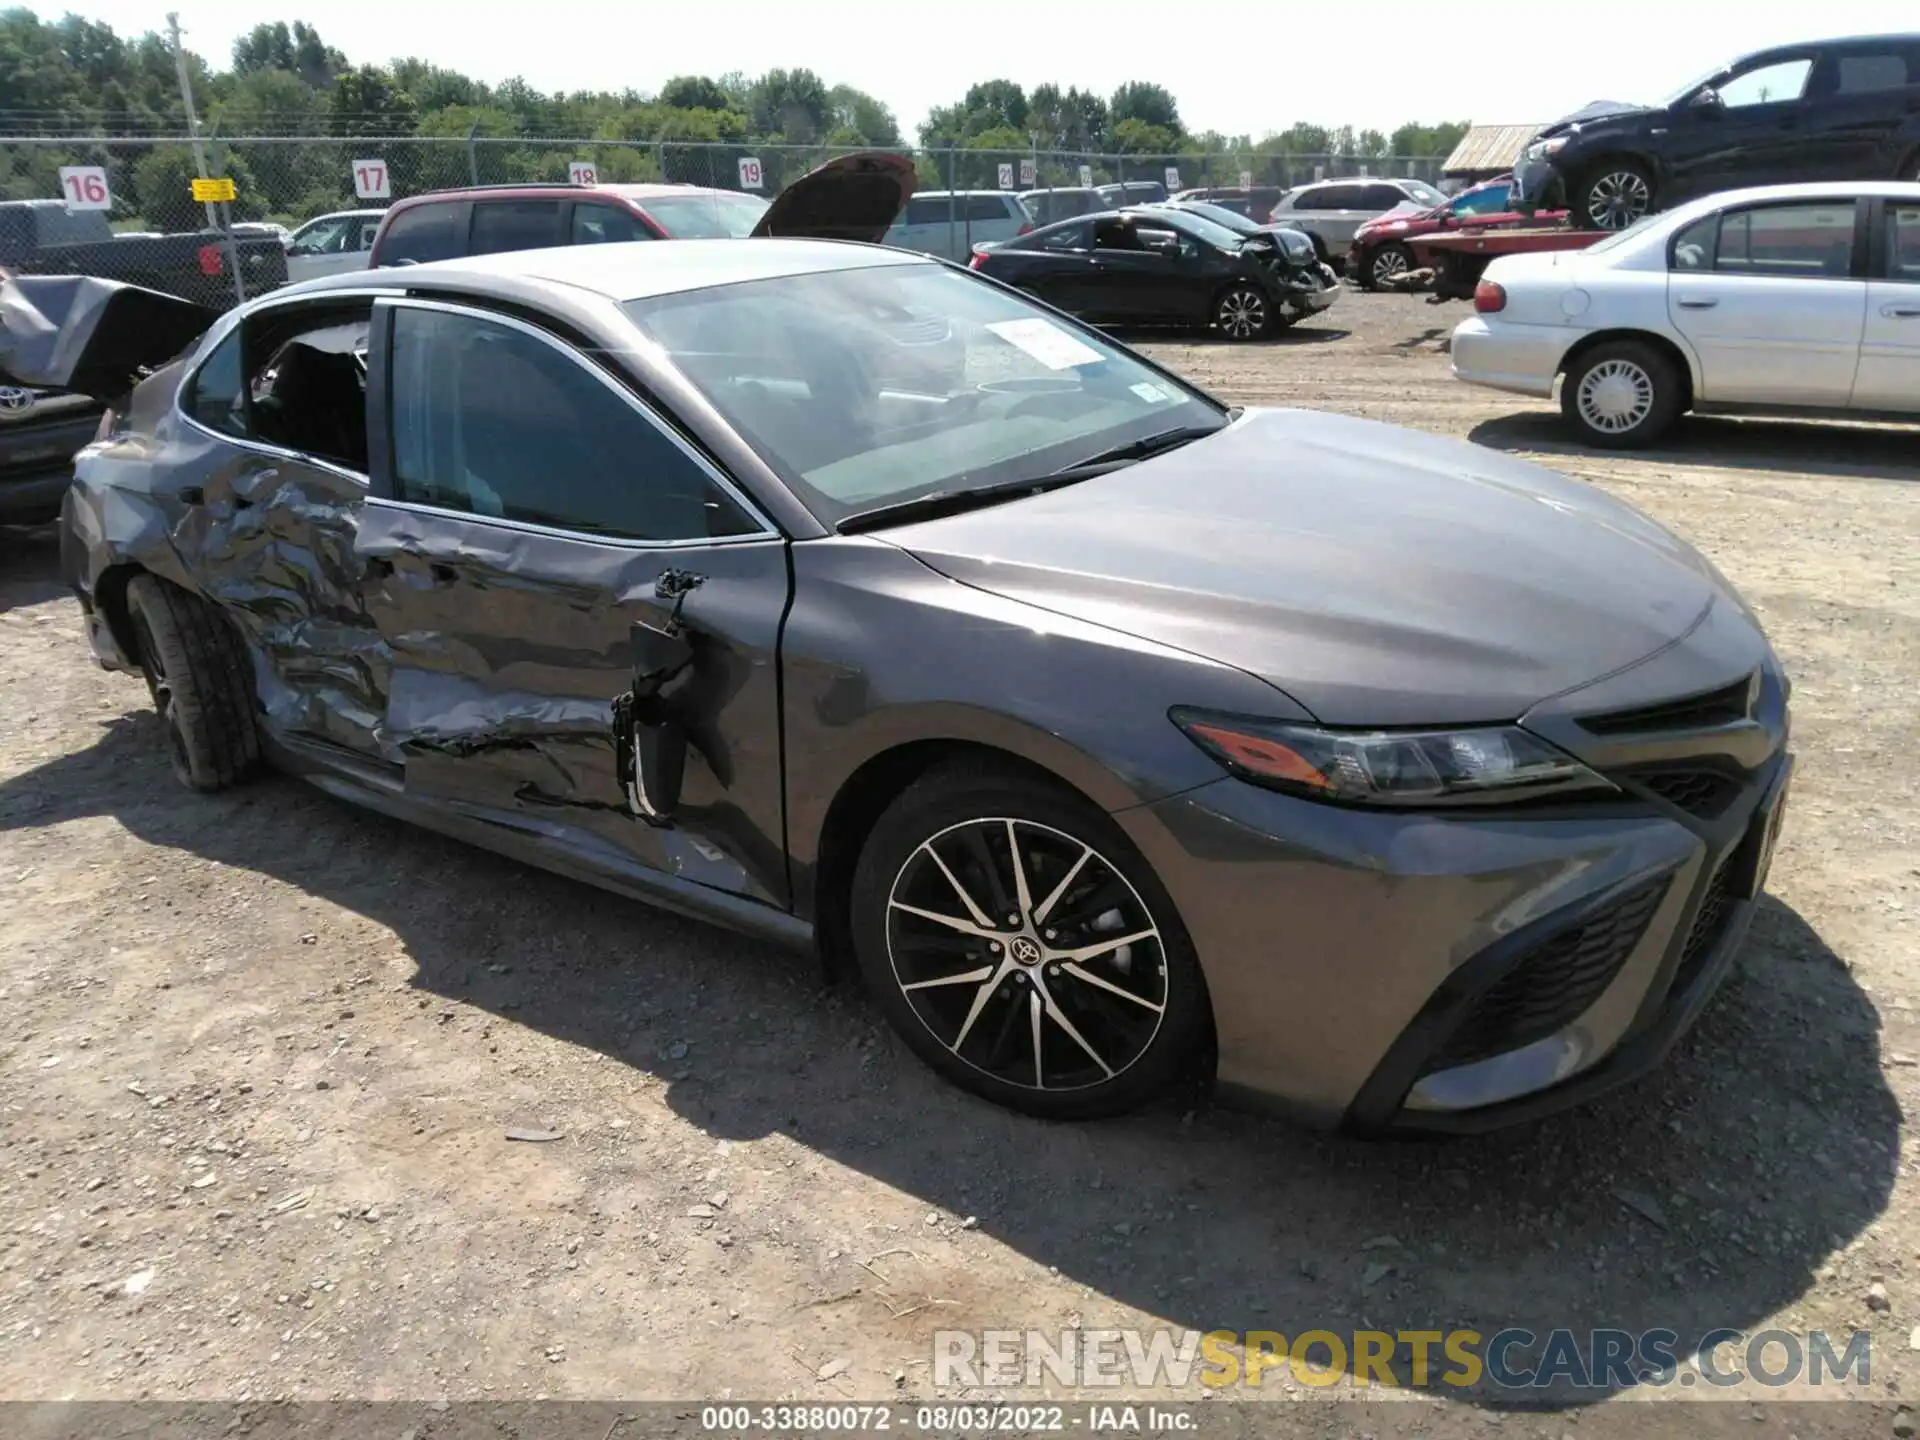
[1149, 392]
[1047, 343]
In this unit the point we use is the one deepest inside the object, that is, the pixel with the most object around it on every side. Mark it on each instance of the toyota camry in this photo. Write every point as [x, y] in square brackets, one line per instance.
[1110, 733]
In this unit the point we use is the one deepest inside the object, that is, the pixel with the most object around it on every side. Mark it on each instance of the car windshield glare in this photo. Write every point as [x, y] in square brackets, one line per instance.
[869, 386]
[706, 217]
[1425, 193]
[1199, 227]
[1637, 228]
[1219, 215]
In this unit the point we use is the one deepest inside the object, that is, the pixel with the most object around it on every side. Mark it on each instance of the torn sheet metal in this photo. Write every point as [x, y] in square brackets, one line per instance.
[92, 336]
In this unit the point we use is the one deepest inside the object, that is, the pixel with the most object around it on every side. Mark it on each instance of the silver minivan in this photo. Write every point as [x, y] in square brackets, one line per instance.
[951, 222]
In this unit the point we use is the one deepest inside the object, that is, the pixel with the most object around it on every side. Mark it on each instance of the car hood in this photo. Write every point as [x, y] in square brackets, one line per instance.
[1378, 576]
[1592, 113]
[851, 197]
[72, 332]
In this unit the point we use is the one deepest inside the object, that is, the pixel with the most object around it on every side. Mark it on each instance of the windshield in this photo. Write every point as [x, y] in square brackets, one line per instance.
[1219, 215]
[1423, 192]
[1692, 85]
[705, 217]
[1620, 237]
[868, 386]
[1199, 227]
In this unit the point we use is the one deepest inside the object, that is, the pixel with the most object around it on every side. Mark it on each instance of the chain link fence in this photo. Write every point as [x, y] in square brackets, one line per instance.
[93, 189]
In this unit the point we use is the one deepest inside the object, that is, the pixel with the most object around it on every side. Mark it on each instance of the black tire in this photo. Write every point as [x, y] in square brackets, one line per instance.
[1390, 259]
[1612, 195]
[1645, 395]
[201, 683]
[979, 1031]
[1243, 312]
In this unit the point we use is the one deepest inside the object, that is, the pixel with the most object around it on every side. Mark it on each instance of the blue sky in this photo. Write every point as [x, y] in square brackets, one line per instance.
[1510, 62]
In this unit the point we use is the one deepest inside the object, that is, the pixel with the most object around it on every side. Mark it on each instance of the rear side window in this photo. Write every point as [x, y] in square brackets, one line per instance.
[502, 225]
[1381, 197]
[217, 395]
[928, 210]
[1903, 243]
[1862, 74]
[605, 225]
[1809, 241]
[987, 207]
[490, 420]
[426, 233]
[1336, 197]
[1066, 237]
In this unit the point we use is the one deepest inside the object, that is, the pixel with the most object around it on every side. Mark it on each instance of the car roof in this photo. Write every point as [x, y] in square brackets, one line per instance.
[632, 271]
[560, 189]
[1804, 190]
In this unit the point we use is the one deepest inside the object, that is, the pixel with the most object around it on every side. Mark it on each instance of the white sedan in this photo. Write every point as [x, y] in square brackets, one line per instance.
[1788, 299]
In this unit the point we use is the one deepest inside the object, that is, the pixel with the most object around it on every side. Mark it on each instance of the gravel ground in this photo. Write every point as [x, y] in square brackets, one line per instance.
[260, 1054]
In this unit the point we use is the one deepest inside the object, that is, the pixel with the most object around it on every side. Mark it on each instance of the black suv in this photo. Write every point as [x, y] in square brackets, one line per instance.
[1825, 110]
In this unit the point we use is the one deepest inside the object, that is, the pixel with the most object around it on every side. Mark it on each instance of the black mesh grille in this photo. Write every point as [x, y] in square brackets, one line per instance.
[1554, 982]
[1692, 712]
[1697, 790]
[1716, 909]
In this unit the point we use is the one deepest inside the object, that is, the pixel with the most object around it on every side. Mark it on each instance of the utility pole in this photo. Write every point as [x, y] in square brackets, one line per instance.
[214, 211]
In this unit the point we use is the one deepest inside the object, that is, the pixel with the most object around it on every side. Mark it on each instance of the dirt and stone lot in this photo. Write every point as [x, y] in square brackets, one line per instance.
[260, 1054]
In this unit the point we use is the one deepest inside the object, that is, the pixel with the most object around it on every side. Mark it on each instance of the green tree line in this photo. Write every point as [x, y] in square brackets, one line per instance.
[75, 76]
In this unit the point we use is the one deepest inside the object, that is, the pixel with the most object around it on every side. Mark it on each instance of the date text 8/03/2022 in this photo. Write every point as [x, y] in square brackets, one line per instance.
[1508, 1359]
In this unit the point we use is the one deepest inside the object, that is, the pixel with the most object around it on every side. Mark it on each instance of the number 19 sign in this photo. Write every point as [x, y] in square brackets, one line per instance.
[751, 175]
[371, 181]
[84, 187]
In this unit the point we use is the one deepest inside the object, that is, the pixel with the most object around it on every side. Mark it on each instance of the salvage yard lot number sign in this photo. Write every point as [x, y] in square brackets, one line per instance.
[1006, 176]
[582, 172]
[371, 181]
[751, 176]
[84, 187]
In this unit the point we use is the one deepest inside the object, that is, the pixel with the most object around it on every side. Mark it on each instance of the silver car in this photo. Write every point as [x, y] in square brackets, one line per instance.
[1331, 211]
[332, 244]
[951, 222]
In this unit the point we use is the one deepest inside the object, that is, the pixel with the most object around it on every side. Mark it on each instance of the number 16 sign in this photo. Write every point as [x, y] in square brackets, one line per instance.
[84, 187]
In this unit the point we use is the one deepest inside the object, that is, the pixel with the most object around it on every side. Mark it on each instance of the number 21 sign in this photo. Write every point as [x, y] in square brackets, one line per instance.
[84, 187]
[371, 181]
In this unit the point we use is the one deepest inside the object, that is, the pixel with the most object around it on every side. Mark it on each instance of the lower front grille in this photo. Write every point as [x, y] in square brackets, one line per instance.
[1554, 982]
[1709, 924]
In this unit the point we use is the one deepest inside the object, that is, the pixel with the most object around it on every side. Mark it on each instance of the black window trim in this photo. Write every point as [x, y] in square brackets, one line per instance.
[380, 438]
[1858, 266]
[1879, 255]
[233, 325]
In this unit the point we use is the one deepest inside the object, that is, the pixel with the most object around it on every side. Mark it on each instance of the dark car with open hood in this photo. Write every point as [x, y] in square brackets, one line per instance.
[1112, 735]
[1844, 109]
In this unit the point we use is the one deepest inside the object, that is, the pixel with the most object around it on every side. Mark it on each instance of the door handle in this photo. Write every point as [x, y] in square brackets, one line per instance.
[1696, 303]
[1901, 312]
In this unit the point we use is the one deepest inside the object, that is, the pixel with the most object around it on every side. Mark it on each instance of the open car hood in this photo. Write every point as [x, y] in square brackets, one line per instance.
[851, 197]
[94, 337]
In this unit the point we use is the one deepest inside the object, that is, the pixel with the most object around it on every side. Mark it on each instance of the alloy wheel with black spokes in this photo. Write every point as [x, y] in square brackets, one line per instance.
[1022, 950]
[1389, 262]
[1242, 313]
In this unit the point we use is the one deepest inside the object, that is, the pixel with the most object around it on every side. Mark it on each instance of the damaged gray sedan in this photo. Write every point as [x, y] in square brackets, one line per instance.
[835, 594]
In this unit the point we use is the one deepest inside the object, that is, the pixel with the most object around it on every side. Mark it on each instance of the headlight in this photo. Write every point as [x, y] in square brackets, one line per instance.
[1541, 149]
[1483, 765]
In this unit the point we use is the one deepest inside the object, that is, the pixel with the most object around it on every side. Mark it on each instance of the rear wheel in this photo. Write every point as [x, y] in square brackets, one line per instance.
[201, 683]
[1022, 947]
[1613, 195]
[1243, 312]
[1622, 395]
[1386, 264]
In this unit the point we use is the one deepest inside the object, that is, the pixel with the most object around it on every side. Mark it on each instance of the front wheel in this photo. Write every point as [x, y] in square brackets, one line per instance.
[1613, 196]
[1622, 395]
[1242, 312]
[1386, 265]
[1022, 948]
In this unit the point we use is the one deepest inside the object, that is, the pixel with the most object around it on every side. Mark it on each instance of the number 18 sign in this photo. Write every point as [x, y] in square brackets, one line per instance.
[371, 181]
[582, 172]
[84, 187]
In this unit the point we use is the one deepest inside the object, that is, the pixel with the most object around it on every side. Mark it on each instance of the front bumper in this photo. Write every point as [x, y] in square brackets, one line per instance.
[1535, 183]
[36, 465]
[1431, 974]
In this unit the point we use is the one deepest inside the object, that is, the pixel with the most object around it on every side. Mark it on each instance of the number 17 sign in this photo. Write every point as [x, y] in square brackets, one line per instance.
[371, 181]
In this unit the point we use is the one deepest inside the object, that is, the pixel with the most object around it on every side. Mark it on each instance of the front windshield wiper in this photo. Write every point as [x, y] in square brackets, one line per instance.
[1157, 443]
[949, 502]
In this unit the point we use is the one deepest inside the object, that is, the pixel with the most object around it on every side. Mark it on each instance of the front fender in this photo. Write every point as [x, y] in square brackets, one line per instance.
[880, 652]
